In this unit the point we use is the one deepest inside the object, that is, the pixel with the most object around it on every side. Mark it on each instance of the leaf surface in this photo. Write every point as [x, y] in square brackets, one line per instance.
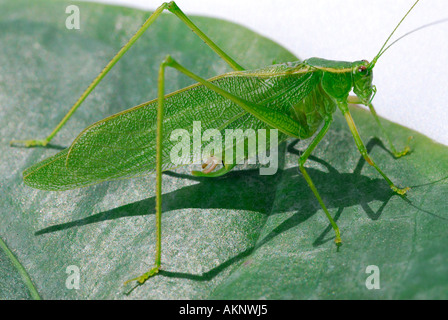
[242, 236]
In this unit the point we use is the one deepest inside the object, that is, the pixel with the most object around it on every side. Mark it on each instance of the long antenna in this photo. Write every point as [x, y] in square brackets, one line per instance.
[415, 30]
[372, 64]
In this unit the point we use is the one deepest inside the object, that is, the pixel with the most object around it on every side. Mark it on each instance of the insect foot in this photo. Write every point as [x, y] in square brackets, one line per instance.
[338, 240]
[401, 192]
[142, 279]
[405, 151]
[28, 143]
[402, 153]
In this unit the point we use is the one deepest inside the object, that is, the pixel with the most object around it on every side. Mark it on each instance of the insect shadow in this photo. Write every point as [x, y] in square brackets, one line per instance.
[48, 146]
[235, 191]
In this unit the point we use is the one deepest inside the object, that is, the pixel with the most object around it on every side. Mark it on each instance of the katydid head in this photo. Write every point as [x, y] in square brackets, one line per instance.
[362, 81]
[337, 80]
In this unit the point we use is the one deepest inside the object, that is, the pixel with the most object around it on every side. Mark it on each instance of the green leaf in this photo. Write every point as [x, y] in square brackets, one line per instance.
[241, 236]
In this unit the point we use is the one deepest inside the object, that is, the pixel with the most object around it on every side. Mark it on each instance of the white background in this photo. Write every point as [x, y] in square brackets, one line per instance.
[412, 77]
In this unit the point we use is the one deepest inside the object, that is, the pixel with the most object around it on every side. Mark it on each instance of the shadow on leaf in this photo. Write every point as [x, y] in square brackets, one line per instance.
[235, 191]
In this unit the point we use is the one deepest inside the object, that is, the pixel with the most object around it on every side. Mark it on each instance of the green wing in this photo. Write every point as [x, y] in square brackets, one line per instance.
[124, 145]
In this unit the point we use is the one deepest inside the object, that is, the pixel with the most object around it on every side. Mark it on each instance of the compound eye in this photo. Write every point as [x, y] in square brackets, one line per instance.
[362, 69]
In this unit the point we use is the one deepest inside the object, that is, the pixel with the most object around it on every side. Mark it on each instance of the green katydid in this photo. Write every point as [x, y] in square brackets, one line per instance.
[299, 102]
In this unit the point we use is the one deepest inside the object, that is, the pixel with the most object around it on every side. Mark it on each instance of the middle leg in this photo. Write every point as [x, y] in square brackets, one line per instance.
[362, 149]
[397, 154]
